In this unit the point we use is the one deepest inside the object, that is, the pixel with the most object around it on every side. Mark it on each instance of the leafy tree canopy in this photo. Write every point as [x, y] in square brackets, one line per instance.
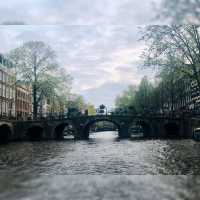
[180, 11]
[35, 64]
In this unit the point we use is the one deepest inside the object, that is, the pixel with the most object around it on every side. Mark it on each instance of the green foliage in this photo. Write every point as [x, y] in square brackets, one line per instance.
[127, 98]
[143, 96]
[173, 48]
[174, 51]
[76, 101]
[180, 11]
[35, 65]
[91, 109]
[135, 100]
[76, 105]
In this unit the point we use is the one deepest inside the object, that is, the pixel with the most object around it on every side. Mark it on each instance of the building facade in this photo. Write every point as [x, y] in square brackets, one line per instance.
[23, 101]
[7, 90]
[186, 96]
[195, 95]
[50, 106]
[183, 95]
[15, 99]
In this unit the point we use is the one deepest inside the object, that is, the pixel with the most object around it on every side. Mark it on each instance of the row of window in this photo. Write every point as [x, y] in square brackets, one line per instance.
[5, 62]
[23, 95]
[4, 77]
[7, 108]
[21, 105]
[7, 91]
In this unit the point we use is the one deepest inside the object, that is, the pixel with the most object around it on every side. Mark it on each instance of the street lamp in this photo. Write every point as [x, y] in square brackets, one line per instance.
[103, 108]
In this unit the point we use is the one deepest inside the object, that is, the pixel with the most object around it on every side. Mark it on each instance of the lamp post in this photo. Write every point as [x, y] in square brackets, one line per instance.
[103, 107]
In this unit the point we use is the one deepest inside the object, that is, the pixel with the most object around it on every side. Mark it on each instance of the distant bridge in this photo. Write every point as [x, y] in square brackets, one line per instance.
[153, 126]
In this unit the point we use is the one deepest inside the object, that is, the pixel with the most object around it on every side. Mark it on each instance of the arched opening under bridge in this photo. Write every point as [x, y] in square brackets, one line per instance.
[64, 131]
[5, 133]
[35, 133]
[139, 129]
[172, 129]
[101, 128]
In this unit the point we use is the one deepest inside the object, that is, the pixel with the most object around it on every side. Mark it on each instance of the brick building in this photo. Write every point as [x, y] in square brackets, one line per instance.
[15, 99]
[23, 103]
[7, 90]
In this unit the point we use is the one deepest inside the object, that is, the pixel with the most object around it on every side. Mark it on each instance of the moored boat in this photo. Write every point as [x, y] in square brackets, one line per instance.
[196, 134]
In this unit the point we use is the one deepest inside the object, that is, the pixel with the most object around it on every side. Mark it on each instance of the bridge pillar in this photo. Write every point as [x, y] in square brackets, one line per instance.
[124, 131]
[81, 132]
[186, 129]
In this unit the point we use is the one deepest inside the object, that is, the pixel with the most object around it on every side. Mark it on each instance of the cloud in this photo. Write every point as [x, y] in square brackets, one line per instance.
[105, 94]
[79, 12]
[93, 55]
[96, 41]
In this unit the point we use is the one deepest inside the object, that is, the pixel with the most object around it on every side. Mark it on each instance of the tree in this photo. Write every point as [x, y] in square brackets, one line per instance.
[158, 98]
[136, 100]
[176, 46]
[127, 97]
[91, 109]
[35, 65]
[180, 11]
[143, 96]
[170, 77]
[76, 105]
[125, 103]
[56, 89]
[63, 89]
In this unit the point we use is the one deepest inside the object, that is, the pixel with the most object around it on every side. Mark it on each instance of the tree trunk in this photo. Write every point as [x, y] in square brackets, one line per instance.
[35, 103]
[172, 95]
[35, 106]
[162, 98]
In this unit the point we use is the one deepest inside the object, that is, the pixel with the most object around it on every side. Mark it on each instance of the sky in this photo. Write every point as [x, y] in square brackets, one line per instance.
[95, 40]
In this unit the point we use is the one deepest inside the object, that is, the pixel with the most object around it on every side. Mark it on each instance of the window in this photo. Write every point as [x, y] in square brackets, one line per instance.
[1, 59]
[3, 91]
[7, 92]
[1, 87]
[3, 107]
[3, 77]
[1, 74]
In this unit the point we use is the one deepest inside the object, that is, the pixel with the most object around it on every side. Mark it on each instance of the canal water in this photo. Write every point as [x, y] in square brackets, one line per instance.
[103, 167]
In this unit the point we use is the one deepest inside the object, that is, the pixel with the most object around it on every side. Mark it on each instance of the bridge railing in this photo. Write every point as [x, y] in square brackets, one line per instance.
[62, 116]
[4, 116]
[54, 116]
[51, 116]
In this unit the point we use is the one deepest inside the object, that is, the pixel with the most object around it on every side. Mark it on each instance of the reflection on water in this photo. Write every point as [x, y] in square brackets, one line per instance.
[102, 154]
[27, 163]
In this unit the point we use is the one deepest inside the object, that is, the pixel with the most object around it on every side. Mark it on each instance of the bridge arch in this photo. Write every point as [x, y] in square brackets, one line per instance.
[59, 129]
[5, 133]
[86, 128]
[35, 132]
[172, 129]
[146, 127]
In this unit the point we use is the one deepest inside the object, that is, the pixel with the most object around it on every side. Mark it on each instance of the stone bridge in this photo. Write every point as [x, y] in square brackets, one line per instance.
[154, 127]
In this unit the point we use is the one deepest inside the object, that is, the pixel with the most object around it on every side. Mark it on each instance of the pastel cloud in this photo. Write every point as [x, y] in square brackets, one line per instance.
[96, 41]
[79, 12]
